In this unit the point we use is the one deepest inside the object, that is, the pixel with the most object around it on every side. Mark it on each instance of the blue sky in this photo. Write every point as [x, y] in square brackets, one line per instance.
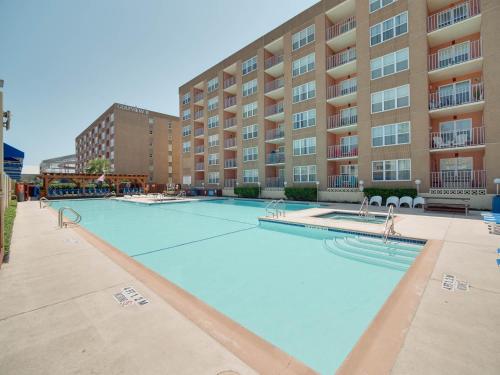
[65, 62]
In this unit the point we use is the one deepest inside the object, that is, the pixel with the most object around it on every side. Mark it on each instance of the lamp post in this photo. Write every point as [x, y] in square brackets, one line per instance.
[418, 183]
[258, 184]
[317, 192]
[236, 184]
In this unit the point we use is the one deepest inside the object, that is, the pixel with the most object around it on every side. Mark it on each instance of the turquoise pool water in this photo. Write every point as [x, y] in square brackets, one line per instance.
[276, 280]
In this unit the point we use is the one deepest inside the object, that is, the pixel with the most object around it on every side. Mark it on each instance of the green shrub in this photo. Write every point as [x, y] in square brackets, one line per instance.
[386, 193]
[301, 194]
[10, 215]
[247, 191]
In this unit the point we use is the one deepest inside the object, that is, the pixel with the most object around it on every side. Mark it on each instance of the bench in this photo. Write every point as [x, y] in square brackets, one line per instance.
[447, 207]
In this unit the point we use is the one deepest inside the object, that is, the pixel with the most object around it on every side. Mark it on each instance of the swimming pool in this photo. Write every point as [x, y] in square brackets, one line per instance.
[278, 281]
[372, 219]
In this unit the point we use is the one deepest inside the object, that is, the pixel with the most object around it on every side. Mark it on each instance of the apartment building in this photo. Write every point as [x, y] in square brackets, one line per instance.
[60, 164]
[135, 141]
[352, 94]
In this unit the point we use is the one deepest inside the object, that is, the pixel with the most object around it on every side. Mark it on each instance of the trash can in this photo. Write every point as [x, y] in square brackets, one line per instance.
[496, 204]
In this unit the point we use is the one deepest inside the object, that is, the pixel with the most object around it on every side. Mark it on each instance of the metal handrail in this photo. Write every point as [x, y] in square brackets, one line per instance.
[181, 195]
[270, 207]
[281, 203]
[363, 210]
[44, 202]
[109, 195]
[389, 224]
[63, 223]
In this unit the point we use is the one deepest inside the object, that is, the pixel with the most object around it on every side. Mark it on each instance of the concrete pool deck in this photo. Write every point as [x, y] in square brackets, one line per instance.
[55, 327]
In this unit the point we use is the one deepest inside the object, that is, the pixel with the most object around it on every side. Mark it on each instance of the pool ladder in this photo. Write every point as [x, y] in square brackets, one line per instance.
[275, 208]
[389, 224]
[44, 202]
[64, 224]
[363, 210]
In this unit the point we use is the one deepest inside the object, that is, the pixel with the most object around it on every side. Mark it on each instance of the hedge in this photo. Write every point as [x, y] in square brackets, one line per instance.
[10, 215]
[301, 194]
[386, 193]
[247, 191]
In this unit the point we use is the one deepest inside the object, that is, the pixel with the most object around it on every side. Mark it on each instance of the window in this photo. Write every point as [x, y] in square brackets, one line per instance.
[186, 98]
[213, 140]
[186, 114]
[391, 63]
[451, 166]
[378, 4]
[303, 38]
[304, 65]
[349, 170]
[391, 134]
[454, 54]
[213, 177]
[306, 173]
[249, 65]
[213, 122]
[249, 88]
[457, 132]
[304, 92]
[305, 146]
[250, 110]
[213, 103]
[250, 132]
[391, 170]
[394, 98]
[213, 84]
[186, 146]
[186, 130]
[250, 154]
[304, 119]
[250, 176]
[213, 159]
[389, 29]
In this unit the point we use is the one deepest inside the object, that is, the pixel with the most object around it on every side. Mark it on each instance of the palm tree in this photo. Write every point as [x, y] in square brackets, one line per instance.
[97, 166]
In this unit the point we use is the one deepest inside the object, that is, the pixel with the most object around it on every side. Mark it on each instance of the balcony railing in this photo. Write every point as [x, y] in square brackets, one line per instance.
[229, 142]
[272, 61]
[198, 97]
[276, 158]
[342, 151]
[275, 134]
[199, 149]
[275, 182]
[274, 85]
[198, 115]
[200, 166]
[341, 28]
[230, 122]
[471, 93]
[455, 55]
[343, 181]
[450, 16]
[346, 87]
[338, 120]
[341, 58]
[458, 179]
[230, 163]
[275, 109]
[229, 101]
[198, 132]
[457, 139]
[229, 82]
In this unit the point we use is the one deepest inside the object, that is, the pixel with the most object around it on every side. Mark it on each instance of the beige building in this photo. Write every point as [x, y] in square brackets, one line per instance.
[135, 141]
[377, 93]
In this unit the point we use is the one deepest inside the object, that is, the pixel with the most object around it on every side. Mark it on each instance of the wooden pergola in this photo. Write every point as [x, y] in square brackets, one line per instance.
[83, 180]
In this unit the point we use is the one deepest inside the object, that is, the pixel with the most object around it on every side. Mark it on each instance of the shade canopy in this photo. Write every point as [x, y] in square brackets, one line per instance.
[12, 161]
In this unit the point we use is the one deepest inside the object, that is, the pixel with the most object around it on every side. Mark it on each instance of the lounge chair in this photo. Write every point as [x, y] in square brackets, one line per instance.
[392, 200]
[418, 201]
[376, 200]
[406, 200]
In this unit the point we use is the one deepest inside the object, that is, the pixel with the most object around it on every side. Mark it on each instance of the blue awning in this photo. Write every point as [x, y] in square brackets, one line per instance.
[12, 161]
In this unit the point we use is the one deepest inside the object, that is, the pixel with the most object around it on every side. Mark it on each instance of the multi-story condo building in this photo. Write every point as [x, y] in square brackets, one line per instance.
[352, 94]
[135, 141]
[60, 164]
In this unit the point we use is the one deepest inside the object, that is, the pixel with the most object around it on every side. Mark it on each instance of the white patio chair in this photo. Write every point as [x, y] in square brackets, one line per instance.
[392, 200]
[418, 201]
[376, 200]
[438, 142]
[406, 200]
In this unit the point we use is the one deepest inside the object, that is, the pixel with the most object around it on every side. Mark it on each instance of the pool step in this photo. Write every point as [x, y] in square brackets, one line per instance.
[397, 245]
[383, 248]
[381, 253]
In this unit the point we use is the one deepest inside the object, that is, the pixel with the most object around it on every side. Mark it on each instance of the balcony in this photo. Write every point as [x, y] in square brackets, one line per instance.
[230, 164]
[230, 104]
[342, 34]
[230, 85]
[198, 98]
[454, 23]
[274, 65]
[275, 89]
[275, 158]
[230, 124]
[457, 140]
[199, 132]
[342, 64]
[275, 182]
[459, 179]
[229, 182]
[199, 167]
[454, 61]
[343, 93]
[276, 136]
[456, 100]
[275, 112]
[337, 152]
[343, 181]
[199, 150]
[339, 123]
[198, 115]
[230, 143]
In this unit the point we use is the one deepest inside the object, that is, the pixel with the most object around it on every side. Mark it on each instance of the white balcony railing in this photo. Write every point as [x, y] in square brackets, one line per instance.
[274, 85]
[459, 179]
[450, 16]
[457, 139]
[341, 27]
[455, 96]
[342, 151]
[275, 182]
[341, 58]
[275, 109]
[455, 55]
[276, 158]
[339, 121]
[272, 61]
[275, 134]
[346, 87]
[343, 181]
